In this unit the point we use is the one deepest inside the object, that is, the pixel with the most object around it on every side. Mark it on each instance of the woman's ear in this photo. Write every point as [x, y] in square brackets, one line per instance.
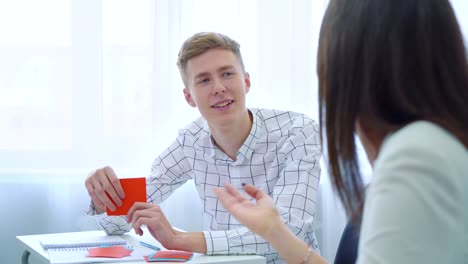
[188, 97]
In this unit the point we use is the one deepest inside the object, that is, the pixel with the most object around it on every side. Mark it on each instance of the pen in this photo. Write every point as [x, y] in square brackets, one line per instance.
[149, 246]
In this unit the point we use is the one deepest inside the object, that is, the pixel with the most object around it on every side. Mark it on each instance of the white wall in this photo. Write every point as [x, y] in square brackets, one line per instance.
[461, 11]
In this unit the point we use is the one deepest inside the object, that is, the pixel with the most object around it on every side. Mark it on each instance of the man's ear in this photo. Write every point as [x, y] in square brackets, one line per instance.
[188, 97]
[247, 82]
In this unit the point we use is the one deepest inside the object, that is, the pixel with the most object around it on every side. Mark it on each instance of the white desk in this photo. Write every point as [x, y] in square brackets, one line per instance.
[32, 246]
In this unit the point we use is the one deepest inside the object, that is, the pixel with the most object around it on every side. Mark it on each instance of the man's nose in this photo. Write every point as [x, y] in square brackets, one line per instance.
[218, 86]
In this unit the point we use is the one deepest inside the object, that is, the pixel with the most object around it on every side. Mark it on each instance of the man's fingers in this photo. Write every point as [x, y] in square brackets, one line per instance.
[141, 221]
[112, 177]
[152, 216]
[99, 206]
[110, 190]
[109, 182]
[92, 194]
[102, 196]
[139, 207]
[139, 231]
[100, 191]
[105, 189]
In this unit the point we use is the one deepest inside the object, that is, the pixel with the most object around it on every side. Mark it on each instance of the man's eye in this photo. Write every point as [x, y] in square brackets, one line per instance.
[227, 74]
[204, 80]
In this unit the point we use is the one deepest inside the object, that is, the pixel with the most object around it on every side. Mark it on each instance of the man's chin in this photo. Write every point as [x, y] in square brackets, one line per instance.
[221, 120]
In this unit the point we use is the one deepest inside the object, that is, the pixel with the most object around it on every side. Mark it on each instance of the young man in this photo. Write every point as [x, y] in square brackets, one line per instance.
[276, 151]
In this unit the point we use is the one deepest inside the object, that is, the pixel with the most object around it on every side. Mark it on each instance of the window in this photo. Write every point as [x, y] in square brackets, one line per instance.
[91, 82]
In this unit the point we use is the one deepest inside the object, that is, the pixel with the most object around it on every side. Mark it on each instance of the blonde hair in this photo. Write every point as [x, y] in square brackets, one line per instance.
[202, 42]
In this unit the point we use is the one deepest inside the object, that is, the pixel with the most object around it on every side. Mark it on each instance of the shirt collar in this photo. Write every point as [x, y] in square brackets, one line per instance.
[247, 147]
[249, 144]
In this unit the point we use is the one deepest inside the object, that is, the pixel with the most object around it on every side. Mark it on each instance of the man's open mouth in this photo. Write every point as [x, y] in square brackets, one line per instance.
[223, 104]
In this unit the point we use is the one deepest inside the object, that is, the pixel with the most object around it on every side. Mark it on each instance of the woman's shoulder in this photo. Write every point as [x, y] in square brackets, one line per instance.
[419, 184]
[422, 153]
[424, 140]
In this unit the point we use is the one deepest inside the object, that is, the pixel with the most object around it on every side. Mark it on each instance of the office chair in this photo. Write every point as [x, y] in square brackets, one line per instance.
[347, 248]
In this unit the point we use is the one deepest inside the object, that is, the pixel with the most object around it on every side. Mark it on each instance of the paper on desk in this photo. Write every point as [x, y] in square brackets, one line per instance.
[169, 256]
[135, 191]
[109, 252]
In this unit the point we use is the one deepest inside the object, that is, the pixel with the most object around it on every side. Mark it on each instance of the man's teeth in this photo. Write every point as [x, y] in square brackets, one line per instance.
[223, 104]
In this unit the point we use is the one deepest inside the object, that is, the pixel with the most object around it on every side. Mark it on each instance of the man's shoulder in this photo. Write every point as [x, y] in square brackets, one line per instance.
[284, 120]
[197, 128]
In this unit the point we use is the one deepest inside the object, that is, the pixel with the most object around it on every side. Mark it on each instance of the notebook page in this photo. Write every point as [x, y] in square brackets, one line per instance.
[78, 255]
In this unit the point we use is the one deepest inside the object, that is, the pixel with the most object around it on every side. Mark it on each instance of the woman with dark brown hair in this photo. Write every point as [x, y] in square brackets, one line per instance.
[395, 73]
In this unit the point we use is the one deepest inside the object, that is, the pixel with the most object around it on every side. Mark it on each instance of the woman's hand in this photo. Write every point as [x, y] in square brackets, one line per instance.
[261, 217]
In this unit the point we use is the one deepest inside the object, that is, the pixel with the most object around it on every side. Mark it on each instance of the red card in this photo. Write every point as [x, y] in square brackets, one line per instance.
[109, 252]
[169, 256]
[135, 191]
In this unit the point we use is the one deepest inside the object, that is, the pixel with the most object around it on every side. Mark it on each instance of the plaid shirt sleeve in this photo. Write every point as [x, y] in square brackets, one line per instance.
[295, 195]
[169, 171]
[296, 191]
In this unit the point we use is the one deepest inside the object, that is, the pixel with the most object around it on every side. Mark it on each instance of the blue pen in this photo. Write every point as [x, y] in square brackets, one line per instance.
[149, 246]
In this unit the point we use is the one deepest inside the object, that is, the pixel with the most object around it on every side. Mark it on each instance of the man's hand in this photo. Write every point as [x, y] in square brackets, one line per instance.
[152, 216]
[104, 188]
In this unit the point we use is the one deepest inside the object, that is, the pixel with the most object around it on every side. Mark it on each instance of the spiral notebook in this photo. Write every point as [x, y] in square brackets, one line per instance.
[59, 241]
[74, 249]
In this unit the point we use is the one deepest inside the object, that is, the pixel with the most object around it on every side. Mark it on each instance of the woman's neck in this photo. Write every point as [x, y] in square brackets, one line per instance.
[371, 140]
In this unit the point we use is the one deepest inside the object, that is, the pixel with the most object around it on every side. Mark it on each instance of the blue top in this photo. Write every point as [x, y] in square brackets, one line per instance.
[416, 207]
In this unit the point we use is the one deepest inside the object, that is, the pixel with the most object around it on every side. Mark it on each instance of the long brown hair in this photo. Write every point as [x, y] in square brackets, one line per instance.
[388, 63]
